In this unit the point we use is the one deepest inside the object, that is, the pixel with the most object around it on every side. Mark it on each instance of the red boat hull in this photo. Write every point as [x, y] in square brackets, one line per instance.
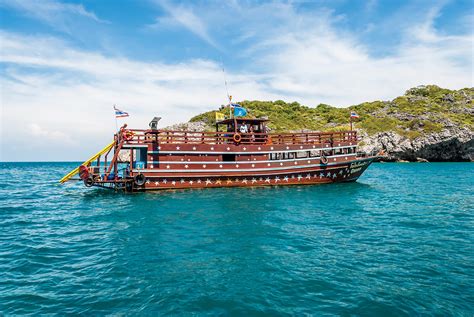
[345, 172]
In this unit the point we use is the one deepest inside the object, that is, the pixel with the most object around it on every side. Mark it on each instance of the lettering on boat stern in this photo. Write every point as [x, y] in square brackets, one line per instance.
[357, 166]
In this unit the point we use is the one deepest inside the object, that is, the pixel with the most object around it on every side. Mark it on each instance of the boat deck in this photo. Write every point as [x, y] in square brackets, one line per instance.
[189, 137]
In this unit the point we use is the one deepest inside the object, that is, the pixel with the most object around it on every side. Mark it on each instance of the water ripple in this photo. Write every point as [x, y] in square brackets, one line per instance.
[399, 242]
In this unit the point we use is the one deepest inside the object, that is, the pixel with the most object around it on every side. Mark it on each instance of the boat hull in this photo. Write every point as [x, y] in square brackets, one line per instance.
[344, 172]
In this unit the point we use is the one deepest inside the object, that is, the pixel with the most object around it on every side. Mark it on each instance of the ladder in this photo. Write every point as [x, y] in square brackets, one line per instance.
[76, 170]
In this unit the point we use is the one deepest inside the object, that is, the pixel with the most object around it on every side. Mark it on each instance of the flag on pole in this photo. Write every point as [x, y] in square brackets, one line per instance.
[354, 115]
[240, 112]
[119, 113]
[219, 116]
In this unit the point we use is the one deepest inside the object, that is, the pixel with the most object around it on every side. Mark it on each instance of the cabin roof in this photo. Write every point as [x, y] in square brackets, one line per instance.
[240, 120]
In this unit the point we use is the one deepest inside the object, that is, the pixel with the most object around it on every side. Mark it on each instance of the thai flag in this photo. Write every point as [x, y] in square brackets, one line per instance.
[354, 115]
[119, 113]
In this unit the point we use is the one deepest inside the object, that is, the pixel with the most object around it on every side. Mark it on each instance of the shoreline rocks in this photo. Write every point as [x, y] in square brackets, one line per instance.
[453, 144]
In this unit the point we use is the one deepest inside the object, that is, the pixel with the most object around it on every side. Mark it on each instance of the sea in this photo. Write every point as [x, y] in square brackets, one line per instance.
[398, 242]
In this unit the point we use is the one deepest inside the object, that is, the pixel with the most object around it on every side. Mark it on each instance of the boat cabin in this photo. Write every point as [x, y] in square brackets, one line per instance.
[242, 125]
[244, 130]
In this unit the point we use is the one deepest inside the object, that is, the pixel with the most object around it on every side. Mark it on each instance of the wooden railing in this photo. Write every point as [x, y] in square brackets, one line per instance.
[189, 137]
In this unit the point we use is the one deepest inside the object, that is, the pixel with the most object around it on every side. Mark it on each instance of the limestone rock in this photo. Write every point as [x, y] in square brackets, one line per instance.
[198, 126]
[451, 144]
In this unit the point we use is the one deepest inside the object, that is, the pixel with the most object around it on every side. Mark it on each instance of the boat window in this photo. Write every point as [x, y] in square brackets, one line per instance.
[140, 158]
[301, 154]
[274, 156]
[327, 152]
[314, 153]
[228, 157]
[337, 151]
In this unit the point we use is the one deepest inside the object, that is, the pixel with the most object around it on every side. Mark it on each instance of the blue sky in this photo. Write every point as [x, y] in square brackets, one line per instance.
[65, 63]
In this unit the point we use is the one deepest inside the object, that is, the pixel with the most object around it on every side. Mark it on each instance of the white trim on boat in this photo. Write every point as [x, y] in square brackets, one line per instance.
[245, 152]
[248, 162]
[244, 170]
[131, 146]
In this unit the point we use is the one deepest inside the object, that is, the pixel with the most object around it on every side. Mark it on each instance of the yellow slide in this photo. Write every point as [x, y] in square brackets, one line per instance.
[76, 170]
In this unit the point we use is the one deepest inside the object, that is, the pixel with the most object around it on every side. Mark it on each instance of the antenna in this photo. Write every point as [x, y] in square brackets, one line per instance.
[226, 89]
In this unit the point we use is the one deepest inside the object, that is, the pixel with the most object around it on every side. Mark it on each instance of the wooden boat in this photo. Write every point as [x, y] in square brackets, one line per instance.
[153, 159]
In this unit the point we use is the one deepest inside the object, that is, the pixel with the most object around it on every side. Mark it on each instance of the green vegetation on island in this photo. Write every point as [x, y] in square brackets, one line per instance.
[420, 111]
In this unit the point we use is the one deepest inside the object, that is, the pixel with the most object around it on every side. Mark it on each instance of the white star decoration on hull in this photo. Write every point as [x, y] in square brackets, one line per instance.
[305, 178]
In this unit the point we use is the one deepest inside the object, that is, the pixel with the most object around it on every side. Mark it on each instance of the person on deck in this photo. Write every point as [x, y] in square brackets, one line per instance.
[243, 128]
[252, 135]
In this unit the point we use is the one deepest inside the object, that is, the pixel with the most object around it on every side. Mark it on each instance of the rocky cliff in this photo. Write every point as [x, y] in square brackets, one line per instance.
[456, 144]
[426, 123]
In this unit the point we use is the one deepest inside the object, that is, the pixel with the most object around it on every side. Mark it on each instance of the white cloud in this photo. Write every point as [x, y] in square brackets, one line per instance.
[41, 133]
[180, 15]
[60, 98]
[53, 92]
[309, 59]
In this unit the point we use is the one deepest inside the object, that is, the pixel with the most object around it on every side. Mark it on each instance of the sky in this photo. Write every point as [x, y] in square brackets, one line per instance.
[64, 64]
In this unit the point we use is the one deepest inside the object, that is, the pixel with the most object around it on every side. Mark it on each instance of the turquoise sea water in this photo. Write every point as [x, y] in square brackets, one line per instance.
[399, 242]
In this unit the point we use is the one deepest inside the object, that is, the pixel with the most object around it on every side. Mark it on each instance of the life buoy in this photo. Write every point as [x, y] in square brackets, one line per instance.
[83, 172]
[237, 138]
[128, 135]
[324, 159]
[269, 140]
[139, 179]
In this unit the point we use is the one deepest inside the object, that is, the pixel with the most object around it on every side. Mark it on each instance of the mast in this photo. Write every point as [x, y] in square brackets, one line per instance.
[229, 97]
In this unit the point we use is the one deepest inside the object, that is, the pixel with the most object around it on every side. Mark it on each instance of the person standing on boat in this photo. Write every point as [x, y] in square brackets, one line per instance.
[252, 135]
[243, 128]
